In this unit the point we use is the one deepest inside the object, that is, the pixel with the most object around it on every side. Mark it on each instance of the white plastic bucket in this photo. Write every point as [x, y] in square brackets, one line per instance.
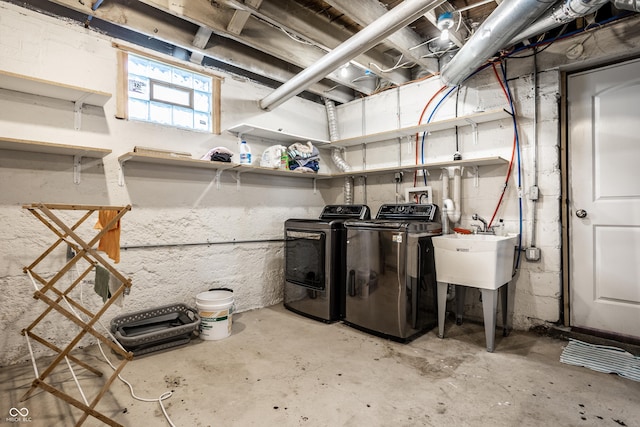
[215, 308]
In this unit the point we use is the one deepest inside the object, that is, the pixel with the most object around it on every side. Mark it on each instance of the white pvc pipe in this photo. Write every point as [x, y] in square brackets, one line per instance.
[398, 17]
[454, 216]
[447, 203]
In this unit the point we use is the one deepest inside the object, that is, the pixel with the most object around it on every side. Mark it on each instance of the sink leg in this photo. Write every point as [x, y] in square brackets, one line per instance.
[461, 291]
[442, 306]
[504, 296]
[489, 308]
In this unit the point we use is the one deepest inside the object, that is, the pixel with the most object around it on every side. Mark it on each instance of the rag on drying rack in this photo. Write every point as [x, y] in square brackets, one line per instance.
[110, 241]
[106, 284]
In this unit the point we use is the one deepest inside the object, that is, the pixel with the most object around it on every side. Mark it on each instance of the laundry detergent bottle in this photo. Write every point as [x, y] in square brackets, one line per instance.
[245, 152]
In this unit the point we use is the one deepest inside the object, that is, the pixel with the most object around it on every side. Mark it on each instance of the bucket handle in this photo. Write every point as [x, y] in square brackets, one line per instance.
[233, 306]
[221, 289]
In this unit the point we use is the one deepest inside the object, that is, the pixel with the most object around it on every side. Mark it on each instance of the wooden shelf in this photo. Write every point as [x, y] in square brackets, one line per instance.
[76, 151]
[207, 164]
[36, 86]
[173, 161]
[280, 172]
[468, 120]
[51, 148]
[484, 161]
[272, 135]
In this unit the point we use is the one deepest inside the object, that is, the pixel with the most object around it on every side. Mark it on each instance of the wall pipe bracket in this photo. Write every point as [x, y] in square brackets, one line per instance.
[77, 168]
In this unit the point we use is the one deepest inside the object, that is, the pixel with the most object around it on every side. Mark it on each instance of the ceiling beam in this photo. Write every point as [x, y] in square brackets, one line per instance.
[257, 34]
[241, 16]
[224, 50]
[305, 24]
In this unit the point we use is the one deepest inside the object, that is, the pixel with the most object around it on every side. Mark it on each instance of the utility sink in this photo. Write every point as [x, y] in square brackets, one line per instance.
[482, 261]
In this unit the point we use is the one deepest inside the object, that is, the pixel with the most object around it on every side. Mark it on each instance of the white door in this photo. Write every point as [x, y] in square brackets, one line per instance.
[604, 198]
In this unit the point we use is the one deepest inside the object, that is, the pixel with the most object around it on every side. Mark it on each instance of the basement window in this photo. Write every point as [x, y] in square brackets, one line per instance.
[168, 94]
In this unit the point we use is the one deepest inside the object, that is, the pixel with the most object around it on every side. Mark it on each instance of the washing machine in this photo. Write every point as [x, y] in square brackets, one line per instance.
[390, 271]
[315, 262]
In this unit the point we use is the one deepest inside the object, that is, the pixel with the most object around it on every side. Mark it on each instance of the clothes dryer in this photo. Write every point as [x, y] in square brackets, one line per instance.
[315, 262]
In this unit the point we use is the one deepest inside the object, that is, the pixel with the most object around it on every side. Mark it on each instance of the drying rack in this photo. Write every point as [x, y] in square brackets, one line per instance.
[53, 297]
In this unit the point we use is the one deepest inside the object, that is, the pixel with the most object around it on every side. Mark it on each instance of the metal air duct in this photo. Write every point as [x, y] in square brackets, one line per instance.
[633, 5]
[507, 20]
[398, 17]
[564, 12]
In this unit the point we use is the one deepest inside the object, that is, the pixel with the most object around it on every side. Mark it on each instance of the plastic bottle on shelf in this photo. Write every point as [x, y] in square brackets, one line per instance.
[245, 153]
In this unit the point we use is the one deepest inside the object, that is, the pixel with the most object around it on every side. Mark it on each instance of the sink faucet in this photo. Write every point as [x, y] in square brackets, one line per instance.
[485, 226]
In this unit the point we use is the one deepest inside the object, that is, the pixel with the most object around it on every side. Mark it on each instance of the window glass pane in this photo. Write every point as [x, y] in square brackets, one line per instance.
[183, 117]
[139, 66]
[168, 95]
[182, 78]
[138, 87]
[202, 121]
[160, 113]
[159, 71]
[138, 110]
[202, 83]
[202, 102]
[173, 95]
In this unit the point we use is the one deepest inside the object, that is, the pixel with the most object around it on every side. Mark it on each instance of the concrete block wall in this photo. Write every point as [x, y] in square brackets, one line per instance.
[175, 212]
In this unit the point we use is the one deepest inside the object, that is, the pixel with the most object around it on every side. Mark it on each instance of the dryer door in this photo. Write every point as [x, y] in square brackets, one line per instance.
[305, 258]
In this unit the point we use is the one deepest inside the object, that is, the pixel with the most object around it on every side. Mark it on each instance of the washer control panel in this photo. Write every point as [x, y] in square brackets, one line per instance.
[408, 211]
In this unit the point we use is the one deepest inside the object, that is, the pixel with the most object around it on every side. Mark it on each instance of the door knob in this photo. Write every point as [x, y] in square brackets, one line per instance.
[581, 213]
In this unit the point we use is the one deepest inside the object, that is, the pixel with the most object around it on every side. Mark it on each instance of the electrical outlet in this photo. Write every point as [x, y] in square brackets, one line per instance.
[532, 254]
[534, 193]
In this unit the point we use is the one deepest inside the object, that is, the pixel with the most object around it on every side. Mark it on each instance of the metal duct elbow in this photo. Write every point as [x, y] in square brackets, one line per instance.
[564, 12]
[506, 21]
[633, 5]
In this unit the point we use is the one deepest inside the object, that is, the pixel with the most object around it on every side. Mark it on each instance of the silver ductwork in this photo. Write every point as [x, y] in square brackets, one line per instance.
[633, 5]
[564, 12]
[398, 17]
[334, 135]
[506, 21]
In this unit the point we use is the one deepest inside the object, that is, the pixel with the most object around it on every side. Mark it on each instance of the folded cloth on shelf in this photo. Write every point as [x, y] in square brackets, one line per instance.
[221, 157]
[304, 169]
[312, 166]
[218, 154]
[303, 155]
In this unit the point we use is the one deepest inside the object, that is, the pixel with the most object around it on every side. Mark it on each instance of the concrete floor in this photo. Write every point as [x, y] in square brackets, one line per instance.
[282, 369]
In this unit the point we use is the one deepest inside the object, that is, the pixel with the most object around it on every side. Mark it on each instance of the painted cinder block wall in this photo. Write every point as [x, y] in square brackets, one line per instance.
[170, 205]
[176, 206]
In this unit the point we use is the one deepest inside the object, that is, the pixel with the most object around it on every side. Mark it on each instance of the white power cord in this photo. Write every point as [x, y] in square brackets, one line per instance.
[163, 396]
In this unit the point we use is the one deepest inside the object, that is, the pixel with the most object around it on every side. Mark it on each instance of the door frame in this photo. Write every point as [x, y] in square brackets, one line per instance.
[565, 211]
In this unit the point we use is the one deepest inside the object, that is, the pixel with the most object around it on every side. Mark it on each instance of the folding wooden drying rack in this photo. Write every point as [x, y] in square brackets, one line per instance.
[53, 297]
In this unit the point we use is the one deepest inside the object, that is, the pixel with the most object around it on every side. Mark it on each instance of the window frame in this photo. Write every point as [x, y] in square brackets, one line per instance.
[122, 97]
